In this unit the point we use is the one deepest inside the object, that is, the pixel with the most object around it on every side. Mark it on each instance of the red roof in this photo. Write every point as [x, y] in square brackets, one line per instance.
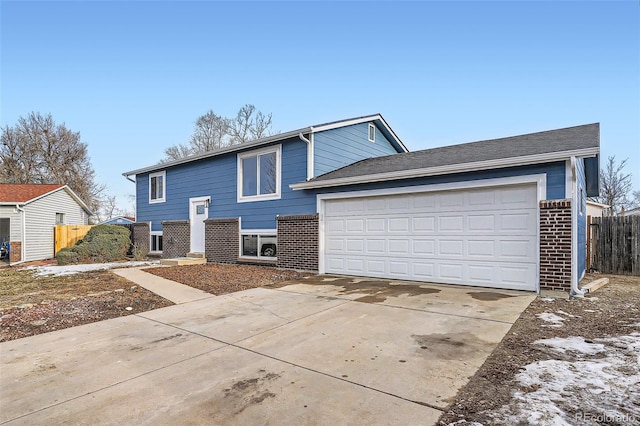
[21, 193]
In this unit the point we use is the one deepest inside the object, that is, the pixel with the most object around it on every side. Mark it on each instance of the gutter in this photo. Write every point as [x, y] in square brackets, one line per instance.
[575, 291]
[23, 240]
[310, 149]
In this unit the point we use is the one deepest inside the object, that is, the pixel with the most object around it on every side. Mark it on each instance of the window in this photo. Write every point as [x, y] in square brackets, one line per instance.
[260, 244]
[156, 242]
[157, 187]
[259, 175]
[372, 133]
[59, 219]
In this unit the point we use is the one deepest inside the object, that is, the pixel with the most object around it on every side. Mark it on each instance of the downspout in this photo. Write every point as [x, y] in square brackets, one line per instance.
[128, 178]
[23, 242]
[575, 291]
[310, 159]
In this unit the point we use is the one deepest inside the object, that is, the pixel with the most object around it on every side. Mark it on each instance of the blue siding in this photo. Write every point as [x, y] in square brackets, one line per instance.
[555, 179]
[340, 147]
[217, 177]
[581, 217]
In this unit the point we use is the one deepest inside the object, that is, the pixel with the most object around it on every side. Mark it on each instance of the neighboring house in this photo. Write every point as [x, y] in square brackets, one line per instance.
[119, 220]
[633, 212]
[347, 198]
[597, 209]
[28, 213]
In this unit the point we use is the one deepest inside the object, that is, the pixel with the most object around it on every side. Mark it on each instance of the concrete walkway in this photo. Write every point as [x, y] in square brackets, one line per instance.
[170, 290]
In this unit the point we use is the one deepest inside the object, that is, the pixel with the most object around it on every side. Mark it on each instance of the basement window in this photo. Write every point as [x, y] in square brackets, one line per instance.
[259, 245]
[156, 242]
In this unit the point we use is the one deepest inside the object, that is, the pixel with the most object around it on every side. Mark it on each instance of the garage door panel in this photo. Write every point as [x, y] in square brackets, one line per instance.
[481, 248]
[355, 246]
[399, 224]
[485, 237]
[424, 224]
[424, 247]
[335, 226]
[481, 222]
[376, 224]
[451, 224]
[449, 270]
[399, 247]
[335, 245]
[355, 225]
[450, 248]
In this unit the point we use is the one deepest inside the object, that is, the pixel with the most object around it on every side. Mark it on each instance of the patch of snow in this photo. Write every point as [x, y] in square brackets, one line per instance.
[574, 344]
[465, 423]
[566, 314]
[580, 391]
[555, 320]
[76, 269]
[589, 310]
[548, 299]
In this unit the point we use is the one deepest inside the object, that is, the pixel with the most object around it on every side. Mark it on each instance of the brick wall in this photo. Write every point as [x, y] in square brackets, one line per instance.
[15, 251]
[555, 245]
[176, 238]
[298, 242]
[142, 236]
[221, 240]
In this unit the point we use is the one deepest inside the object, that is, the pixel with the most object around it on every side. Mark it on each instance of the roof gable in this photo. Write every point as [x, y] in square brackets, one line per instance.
[551, 145]
[17, 193]
[377, 118]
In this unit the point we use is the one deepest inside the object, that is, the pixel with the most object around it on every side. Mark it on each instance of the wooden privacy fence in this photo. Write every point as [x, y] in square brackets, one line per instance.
[67, 235]
[616, 245]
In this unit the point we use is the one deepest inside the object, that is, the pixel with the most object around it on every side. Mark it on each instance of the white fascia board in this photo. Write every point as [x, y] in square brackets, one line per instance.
[449, 169]
[346, 123]
[232, 148]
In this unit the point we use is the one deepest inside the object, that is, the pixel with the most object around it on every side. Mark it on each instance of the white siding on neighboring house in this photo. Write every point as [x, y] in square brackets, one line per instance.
[16, 221]
[41, 218]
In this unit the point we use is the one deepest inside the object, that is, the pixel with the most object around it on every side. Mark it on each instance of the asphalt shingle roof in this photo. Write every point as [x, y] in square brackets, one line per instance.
[21, 193]
[560, 140]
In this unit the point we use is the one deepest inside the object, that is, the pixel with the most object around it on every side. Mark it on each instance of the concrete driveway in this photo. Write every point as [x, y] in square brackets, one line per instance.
[324, 350]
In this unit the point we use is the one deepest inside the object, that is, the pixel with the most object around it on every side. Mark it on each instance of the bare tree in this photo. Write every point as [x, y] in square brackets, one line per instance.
[615, 185]
[37, 150]
[108, 209]
[213, 131]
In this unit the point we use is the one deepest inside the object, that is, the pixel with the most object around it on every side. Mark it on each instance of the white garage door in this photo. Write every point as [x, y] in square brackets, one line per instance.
[483, 237]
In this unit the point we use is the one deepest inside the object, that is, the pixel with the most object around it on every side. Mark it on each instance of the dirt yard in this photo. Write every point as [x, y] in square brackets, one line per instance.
[563, 362]
[31, 304]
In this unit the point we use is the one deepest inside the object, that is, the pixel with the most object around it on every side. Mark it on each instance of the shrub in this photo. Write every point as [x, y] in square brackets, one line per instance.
[103, 243]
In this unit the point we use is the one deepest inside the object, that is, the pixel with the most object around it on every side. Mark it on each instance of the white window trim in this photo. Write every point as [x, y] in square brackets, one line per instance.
[260, 197]
[164, 187]
[256, 232]
[151, 235]
[371, 126]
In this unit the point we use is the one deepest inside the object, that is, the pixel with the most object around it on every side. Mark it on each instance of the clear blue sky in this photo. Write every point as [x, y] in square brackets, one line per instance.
[132, 77]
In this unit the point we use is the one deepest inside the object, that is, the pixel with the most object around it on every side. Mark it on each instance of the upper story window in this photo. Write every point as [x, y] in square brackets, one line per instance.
[372, 133]
[59, 218]
[259, 174]
[157, 187]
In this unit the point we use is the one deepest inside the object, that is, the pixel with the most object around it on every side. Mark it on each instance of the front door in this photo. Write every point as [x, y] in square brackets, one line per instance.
[198, 213]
